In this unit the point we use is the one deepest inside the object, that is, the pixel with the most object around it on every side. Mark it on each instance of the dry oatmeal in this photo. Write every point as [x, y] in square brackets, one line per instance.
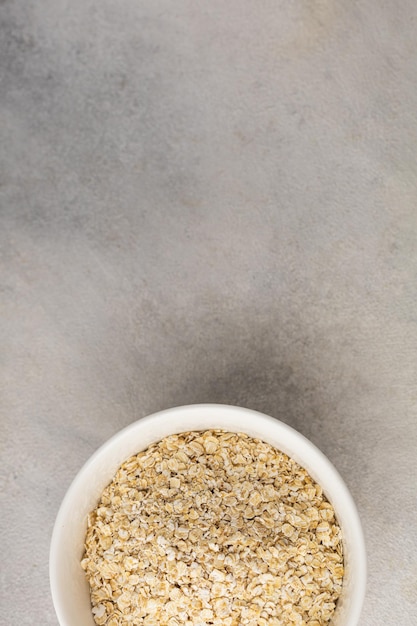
[213, 528]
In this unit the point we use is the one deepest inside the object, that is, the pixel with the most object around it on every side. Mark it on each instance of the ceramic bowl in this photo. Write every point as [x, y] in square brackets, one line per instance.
[70, 591]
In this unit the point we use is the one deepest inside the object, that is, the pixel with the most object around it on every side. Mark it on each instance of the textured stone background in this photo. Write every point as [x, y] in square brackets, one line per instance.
[208, 202]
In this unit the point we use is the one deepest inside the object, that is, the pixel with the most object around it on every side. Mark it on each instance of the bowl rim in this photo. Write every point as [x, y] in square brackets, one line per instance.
[281, 428]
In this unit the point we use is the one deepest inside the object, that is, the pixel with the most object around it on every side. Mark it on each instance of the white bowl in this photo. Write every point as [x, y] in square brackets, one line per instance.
[70, 591]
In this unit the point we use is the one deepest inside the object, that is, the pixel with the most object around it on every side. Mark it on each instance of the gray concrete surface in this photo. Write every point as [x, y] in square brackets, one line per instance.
[208, 202]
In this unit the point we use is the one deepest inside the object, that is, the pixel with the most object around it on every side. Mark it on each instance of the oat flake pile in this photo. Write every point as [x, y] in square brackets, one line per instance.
[213, 528]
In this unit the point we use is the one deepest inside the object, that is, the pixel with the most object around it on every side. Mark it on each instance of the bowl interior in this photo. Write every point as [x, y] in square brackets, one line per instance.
[69, 587]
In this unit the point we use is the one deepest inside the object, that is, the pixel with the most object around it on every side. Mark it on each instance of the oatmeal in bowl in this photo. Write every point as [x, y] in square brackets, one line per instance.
[209, 515]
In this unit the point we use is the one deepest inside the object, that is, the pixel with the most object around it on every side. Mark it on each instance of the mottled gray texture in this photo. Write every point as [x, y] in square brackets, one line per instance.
[208, 202]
